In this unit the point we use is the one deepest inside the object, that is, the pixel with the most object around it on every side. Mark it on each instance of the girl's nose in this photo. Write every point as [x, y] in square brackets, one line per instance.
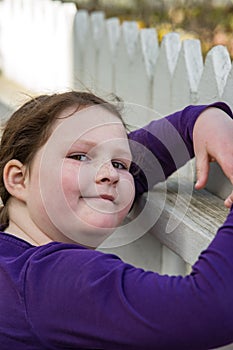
[107, 174]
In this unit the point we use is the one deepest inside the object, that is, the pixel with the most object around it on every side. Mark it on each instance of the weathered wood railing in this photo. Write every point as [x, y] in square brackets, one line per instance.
[49, 45]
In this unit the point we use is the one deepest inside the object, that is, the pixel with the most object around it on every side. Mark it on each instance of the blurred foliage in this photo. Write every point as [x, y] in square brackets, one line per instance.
[204, 20]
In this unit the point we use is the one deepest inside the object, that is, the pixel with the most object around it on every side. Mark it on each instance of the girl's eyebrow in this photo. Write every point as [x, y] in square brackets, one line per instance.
[85, 142]
[90, 144]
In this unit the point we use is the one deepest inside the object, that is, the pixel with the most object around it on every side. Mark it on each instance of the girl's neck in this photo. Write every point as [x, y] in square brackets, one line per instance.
[19, 232]
[22, 226]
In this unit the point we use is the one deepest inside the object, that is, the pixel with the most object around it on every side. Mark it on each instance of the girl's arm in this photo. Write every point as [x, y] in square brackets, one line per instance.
[79, 298]
[164, 145]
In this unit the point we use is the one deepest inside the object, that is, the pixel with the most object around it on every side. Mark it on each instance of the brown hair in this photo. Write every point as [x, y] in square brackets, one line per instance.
[29, 128]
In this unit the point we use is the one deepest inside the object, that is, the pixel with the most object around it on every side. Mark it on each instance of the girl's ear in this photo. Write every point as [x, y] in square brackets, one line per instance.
[14, 176]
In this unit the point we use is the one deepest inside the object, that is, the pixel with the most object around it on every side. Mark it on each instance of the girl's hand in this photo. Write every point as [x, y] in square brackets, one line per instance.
[213, 141]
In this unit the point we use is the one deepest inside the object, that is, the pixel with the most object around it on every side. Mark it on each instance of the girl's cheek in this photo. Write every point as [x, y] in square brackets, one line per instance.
[75, 178]
[69, 177]
[129, 181]
[127, 193]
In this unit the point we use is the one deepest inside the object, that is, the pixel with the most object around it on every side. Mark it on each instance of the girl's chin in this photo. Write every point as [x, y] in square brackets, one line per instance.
[91, 238]
[90, 232]
[102, 221]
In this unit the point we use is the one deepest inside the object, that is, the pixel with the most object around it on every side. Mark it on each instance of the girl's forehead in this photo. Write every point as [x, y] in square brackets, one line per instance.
[105, 130]
[93, 124]
[91, 120]
[101, 112]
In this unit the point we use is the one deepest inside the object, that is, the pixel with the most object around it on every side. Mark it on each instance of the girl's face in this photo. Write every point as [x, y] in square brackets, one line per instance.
[80, 188]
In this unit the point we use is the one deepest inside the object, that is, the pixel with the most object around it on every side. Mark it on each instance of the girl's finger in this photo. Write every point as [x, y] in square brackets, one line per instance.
[229, 201]
[202, 170]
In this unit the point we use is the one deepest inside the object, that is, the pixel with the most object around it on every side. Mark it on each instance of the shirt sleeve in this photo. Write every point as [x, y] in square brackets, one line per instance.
[78, 298]
[164, 145]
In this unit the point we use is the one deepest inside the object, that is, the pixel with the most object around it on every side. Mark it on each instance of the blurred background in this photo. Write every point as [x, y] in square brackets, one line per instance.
[211, 21]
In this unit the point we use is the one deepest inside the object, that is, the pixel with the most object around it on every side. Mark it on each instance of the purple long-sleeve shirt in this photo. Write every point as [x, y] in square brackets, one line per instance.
[64, 296]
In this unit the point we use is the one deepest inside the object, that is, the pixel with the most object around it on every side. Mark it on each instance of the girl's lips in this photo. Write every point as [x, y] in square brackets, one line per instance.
[107, 196]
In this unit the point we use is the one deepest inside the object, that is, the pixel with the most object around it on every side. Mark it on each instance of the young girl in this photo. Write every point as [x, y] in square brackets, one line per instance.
[67, 181]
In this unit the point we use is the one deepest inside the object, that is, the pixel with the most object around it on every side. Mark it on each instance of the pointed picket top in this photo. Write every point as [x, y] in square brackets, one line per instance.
[107, 55]
[81, 25]
[170, 48]
[129, 32]
[227, 93]
[125, 55]
[215, 73]
[138, 77]
[187, 74]
[113, 32]
[194, 62]
[148, 40]
[97, 19]
[164, 68]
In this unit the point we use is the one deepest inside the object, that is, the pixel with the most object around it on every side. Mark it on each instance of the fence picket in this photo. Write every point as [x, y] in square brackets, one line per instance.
[164, 68]
[187, 74]
[106, 62]
[141, 74]
[81, 23]
[183, 92]
[124, 57]
[91, 52]
[216, 69]
[227, 92]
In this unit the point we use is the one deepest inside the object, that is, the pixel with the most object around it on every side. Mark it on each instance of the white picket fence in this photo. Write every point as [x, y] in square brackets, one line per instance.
[50, 46]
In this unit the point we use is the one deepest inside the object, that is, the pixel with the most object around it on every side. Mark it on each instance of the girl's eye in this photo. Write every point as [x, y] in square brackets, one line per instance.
[119, 165]
[79, 157]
